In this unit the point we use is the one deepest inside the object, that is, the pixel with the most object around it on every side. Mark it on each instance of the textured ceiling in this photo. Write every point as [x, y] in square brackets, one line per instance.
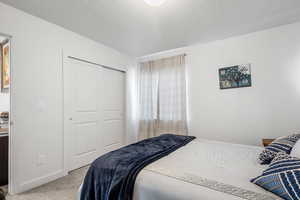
[134, 28]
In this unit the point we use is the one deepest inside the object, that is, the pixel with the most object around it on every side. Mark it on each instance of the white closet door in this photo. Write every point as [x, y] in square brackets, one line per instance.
[94, 105]
[113, 83]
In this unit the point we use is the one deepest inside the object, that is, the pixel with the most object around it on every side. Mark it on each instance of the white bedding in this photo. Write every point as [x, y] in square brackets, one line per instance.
[223, 162]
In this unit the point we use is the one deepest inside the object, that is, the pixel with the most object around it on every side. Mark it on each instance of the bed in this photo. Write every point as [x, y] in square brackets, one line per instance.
[180, 175]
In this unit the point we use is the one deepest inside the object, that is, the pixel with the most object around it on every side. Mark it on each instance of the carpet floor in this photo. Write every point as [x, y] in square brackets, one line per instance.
[65, 188]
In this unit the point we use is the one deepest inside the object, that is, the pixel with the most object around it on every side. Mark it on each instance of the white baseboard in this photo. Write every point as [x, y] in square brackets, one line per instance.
[23, 187]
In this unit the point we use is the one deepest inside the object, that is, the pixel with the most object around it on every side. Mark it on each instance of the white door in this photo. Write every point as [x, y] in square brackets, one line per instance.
[94, 120]
[113, 83]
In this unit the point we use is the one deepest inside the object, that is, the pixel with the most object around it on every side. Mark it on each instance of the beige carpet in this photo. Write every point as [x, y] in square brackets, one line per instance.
[62, 189]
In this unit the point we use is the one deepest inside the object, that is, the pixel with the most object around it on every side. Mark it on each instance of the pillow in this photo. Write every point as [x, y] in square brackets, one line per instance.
[282, 156]
[296, 150]
[282, 144]
[294, 137]
[282, 177]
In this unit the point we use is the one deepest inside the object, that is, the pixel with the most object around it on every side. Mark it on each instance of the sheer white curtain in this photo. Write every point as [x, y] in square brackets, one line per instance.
[162, 97]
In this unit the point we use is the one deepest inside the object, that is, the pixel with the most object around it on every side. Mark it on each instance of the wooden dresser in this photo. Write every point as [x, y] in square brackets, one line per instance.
[266, 142]
[3, 157]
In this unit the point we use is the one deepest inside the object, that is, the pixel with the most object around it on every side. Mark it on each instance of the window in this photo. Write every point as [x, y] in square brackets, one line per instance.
[162, 98]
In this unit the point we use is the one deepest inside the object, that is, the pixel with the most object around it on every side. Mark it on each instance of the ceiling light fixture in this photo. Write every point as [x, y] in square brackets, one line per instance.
[155, 2]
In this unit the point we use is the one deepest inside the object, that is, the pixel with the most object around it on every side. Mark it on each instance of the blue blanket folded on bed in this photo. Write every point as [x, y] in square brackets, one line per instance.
[113, 175]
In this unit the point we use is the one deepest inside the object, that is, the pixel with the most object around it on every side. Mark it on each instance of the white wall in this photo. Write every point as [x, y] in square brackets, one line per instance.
[268, 109]
[37, 96]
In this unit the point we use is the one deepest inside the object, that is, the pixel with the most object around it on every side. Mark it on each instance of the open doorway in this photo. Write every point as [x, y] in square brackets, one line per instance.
[5, 52]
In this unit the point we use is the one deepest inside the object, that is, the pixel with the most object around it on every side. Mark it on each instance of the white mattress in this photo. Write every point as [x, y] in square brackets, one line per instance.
[226, 163]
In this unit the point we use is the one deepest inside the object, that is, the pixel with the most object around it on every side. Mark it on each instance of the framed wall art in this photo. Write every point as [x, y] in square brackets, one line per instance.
[235, 76]
[5, 68]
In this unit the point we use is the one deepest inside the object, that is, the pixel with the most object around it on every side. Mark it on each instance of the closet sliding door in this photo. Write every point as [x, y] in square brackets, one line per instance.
[94, 99]
[113, 84]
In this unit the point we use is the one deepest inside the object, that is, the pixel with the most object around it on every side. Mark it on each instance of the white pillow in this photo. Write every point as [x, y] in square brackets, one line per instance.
[296, 150]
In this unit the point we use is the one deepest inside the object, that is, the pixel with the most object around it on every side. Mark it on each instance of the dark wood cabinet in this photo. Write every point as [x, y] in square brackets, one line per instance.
[3, 160]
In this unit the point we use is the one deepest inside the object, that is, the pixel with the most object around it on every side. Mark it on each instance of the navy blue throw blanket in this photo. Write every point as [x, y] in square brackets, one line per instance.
[112, 176]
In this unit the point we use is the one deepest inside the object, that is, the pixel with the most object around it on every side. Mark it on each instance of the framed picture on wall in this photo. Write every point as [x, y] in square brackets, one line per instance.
[5, 68]
[235, 76]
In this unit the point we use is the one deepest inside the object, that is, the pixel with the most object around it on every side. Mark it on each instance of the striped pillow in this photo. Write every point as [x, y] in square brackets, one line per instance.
[282, 144]
[282, 156]
[281, 178]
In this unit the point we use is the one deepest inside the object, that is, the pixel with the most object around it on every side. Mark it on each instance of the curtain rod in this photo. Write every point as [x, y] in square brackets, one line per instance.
[104, 66]
[159, 57]
[5, 35]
